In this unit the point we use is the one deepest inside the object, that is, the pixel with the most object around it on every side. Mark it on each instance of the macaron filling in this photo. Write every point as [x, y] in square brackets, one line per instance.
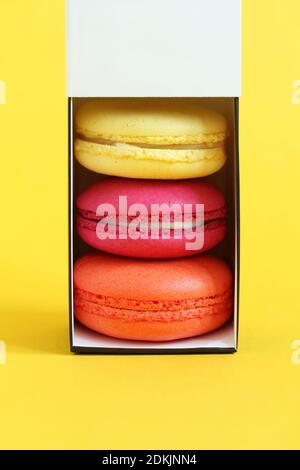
[219, 142]
[212, 219]
[153, 310]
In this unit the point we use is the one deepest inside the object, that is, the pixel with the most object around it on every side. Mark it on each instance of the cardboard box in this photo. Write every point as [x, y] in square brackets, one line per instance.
[150, 48]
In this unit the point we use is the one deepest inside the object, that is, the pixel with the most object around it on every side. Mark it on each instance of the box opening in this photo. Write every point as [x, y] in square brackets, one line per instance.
[227, 179]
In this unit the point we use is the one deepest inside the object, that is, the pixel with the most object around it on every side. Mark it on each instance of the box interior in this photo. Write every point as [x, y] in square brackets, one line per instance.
[226, 179]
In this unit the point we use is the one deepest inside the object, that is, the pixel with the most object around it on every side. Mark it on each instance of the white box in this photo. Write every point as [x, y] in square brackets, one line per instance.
[151, 48]
[154, 48]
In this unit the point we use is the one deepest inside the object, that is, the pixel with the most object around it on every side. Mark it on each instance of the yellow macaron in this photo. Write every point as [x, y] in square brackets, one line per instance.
[160, 138]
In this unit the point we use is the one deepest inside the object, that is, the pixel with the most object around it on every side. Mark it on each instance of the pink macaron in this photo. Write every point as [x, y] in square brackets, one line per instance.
[151, 218]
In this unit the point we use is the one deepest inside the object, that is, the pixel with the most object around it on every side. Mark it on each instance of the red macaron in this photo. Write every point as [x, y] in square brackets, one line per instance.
[151, 218]
[152, 300]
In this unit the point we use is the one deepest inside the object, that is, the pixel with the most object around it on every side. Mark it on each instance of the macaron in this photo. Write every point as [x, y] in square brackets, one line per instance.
[151, 218]
[152, 300]
[157, 138]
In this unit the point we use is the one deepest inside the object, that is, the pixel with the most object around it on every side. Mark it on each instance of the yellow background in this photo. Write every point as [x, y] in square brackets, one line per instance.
[50, 398]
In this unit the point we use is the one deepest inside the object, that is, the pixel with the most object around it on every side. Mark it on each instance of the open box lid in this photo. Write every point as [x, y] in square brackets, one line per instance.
[154, 48]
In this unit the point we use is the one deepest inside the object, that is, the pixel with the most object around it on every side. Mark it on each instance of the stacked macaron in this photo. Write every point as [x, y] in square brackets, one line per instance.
[148, 217]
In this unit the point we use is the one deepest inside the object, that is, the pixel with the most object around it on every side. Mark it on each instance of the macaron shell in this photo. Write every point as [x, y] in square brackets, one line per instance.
[152, 331]
[150, 192]
[176, 279]
[155, 121]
